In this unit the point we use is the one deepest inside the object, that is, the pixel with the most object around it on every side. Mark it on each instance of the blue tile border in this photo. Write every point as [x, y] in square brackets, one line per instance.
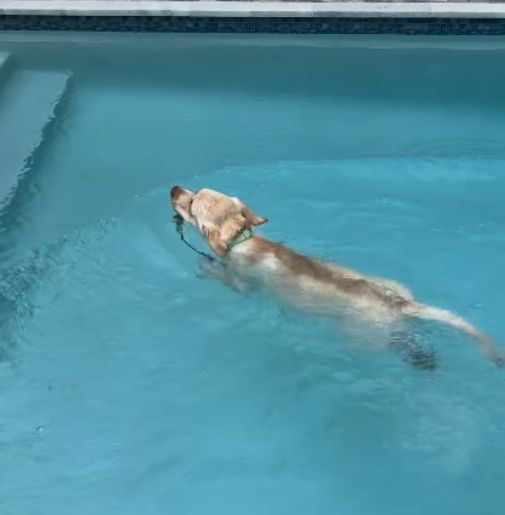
[276, 25]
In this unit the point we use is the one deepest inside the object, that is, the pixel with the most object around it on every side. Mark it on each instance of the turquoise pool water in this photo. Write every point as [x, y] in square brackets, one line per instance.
[128, 385]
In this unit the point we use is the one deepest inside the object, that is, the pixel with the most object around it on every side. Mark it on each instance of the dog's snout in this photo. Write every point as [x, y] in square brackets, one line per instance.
[175, 192]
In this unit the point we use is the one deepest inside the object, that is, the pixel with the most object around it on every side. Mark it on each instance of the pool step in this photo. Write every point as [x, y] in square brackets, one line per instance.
[4, 65]
[4, 57]
[27, 103]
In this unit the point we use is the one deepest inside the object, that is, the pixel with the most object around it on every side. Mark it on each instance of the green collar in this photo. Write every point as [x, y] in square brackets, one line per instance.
[243, 236]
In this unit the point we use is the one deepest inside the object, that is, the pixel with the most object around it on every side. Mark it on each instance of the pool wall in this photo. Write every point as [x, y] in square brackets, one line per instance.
[410, 18]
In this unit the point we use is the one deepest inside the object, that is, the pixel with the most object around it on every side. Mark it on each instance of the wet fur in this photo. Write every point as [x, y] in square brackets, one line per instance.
[344, 280]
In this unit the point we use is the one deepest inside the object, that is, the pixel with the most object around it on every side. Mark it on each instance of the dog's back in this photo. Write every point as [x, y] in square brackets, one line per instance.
[321, 284]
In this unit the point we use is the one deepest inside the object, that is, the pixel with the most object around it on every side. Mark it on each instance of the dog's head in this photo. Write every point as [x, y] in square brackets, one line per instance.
[219, 218]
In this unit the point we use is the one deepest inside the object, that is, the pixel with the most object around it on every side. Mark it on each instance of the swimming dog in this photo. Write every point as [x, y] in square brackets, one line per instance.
[248, 260]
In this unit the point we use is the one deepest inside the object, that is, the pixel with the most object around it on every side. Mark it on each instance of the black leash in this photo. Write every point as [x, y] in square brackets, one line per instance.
[179, 228]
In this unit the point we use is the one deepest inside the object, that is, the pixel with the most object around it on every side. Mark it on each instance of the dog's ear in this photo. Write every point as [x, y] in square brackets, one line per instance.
[215, 240]
[251, 218]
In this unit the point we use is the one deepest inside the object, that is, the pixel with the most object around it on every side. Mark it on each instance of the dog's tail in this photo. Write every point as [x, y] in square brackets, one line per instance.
[488, 346]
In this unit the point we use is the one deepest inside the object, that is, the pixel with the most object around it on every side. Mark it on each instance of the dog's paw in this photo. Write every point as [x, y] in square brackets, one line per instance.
[207, 268]
[498, 358]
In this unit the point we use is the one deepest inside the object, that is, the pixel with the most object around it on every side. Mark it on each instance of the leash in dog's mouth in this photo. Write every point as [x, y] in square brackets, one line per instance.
[179, 229]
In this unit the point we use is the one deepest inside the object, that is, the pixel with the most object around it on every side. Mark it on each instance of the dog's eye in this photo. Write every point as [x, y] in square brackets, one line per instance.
[190, 205]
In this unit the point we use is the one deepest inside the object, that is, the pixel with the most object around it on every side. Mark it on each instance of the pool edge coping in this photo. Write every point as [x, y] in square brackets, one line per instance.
[252, 9]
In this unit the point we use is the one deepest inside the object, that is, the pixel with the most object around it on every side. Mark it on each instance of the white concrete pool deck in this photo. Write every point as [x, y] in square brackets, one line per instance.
[253, 8]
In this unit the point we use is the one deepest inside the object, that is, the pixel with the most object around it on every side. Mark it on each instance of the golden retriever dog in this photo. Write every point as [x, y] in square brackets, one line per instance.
[247, 260]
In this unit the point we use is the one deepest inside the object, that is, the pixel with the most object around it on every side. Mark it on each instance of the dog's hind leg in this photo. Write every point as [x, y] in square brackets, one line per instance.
[406, 344]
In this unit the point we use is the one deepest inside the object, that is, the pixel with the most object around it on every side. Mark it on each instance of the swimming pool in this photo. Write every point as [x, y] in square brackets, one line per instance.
[129, 385]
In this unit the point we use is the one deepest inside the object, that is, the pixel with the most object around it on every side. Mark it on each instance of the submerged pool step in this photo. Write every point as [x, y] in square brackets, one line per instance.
[4, 57]
[4, 60]
[27, 103]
